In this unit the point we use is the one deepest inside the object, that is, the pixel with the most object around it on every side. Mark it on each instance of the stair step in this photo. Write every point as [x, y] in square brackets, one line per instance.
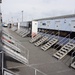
[41, 41]
[64, 50]
[49, 44]
[26, 34]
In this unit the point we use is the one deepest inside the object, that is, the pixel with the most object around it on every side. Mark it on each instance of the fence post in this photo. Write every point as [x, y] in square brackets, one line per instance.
[28, 56]
[2, 61]
[35, 72]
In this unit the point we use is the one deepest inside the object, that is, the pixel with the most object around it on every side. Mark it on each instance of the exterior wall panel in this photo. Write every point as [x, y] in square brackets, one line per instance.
[64, 24]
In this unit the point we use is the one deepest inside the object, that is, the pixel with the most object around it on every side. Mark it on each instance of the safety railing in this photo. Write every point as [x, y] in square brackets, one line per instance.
[51, 35]
[67, 40]
[72, 56]
[72, 40]
[6, 71]
[24, 51]
[61, 41]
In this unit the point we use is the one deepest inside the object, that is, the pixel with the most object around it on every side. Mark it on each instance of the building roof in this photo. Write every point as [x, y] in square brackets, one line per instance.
[57, 17]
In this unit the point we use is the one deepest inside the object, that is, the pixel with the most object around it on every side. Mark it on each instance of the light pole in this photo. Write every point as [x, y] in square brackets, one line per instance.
[12, 20]
[22, 16]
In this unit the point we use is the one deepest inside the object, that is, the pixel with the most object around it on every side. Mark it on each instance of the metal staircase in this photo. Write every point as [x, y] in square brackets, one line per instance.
[8, 39]
[35, 38]
[49, 44]
[27, 33]
[23, 32]
[73, 65]
[73, 59]
[64, 50]
[12, 46]
[41, 41]
[19, 31]
[13, 28]
[14, 55]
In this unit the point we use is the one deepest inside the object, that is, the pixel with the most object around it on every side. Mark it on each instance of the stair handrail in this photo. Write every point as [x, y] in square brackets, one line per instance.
[9, 35]
[52, 36]
[71, 40]
[9, 71]
[44, 34]
[56, 33]
[62, 40]
[72, 57]
[65, 41]
[61, 44]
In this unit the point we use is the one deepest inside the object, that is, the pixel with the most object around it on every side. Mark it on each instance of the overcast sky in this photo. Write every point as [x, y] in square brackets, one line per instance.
[34, 9]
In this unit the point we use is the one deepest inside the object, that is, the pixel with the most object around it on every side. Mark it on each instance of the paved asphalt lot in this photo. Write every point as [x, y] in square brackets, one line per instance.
[39, 60]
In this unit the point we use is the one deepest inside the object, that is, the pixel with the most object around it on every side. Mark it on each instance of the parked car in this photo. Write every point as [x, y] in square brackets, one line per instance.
[4, 25]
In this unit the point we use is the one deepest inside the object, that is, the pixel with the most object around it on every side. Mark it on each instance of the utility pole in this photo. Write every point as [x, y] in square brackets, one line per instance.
[22, 16]
[12, 20]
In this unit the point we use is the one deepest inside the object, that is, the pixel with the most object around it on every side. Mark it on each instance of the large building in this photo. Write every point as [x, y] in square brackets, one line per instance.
[64, 23]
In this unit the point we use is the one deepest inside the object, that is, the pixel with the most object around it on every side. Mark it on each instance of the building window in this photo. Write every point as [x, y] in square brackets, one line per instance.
[44, 24]
[74, 26]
